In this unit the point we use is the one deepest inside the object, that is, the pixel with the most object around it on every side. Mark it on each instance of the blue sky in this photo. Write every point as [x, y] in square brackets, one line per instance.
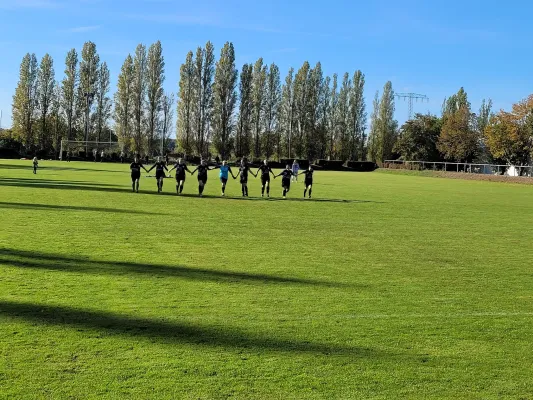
[429, 47]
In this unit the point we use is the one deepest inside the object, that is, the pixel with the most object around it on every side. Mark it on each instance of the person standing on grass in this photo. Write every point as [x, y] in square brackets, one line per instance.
[135, 168]
[68, 156]
[95, 153]
[225, 170]
[160, 168]
[102, 154]
[295, 169]
[286, 180]
[180, 168]
[243, 172]
[308, 180]
[122, 157]
[202, 169]
[265, 178]
[35, 165]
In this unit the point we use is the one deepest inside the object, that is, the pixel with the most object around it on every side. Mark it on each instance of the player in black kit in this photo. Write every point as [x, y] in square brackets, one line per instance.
[265, 178]
[286, 180]
[135, 168]
[308, 180]
[160, 168]
[202, 169]
[243, 172]
[180, 168]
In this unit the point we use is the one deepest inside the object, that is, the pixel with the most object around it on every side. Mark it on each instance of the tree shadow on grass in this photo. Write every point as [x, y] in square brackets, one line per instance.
[56, 207]
[41, 182]
[42, 166]
[173, 332]
[70, 185]
[55, 262]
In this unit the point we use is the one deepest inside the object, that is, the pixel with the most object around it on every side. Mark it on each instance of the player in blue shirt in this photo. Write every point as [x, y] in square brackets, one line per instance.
[225, 170]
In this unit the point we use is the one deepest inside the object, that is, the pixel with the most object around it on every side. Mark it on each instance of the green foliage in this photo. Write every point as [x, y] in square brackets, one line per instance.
[25, 102]
[138, 98]
[259, 75]
[225, 99]
[123, 112]
[186, 105]
[418, 139]
[383, 133]
[155, 75]
[69, 89]
[243, 138]
[272, 136]
[45, 96]
[103, 103]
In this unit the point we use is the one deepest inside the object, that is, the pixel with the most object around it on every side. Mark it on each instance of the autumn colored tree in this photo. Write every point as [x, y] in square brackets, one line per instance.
[509, 135]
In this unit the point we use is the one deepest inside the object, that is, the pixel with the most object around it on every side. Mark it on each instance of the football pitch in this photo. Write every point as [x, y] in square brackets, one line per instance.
[383, 285]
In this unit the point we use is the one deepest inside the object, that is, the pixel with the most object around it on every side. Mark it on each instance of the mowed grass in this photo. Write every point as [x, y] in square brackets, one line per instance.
[382, 286]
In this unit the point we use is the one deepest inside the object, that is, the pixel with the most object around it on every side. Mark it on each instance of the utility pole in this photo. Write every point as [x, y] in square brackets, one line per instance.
[410, 97]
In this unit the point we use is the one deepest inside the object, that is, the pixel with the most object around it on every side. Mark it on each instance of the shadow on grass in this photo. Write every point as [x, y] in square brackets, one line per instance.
[29, 206]
[174, 332]
[43, 166]
[41, 182]
[68, 185]
[54, 262]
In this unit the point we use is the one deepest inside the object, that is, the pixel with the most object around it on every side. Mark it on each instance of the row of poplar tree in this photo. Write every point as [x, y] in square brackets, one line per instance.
[219, 110]
[79, 107]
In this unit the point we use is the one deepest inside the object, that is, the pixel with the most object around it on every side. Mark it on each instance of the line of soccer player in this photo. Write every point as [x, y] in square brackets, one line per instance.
[225, 170]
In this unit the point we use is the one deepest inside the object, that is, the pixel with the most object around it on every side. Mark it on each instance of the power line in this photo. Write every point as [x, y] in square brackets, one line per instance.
[410, 97]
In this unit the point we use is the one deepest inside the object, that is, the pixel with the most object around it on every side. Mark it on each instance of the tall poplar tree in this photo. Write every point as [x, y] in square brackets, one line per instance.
[156, 77]
[45, 89]
[272, 135]
[186, 105]
[103, 102]
[69, 88]
[287, 112]
[138, 99]
[123, 114]
[88, 85]
[258, 96]
[25, 101]
[244, 124]
[358, 116]
[225, 98]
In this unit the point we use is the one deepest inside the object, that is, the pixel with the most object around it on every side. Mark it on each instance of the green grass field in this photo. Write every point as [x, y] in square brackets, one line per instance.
[383, 286]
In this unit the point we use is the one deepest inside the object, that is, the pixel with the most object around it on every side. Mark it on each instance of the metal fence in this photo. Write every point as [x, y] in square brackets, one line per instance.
[470, 168]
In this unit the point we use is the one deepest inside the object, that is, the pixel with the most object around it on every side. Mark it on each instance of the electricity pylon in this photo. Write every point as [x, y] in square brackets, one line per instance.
[410, 97]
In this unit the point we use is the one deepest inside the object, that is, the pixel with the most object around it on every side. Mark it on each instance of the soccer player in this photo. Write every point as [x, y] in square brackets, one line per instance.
[295, 169]
[160, 168]
[265, 178]
[202, 169]
[122, 157]
[286, 180]
[102, 155]
[95, 152]
[35, 164]
[308, 180]
[68, 156]
[180, 168]
[243, 172]
[225, 169]
[135, 168]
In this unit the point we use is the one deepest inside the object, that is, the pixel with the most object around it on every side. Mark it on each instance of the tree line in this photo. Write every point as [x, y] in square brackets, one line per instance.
[460, 135]
[251, 112]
